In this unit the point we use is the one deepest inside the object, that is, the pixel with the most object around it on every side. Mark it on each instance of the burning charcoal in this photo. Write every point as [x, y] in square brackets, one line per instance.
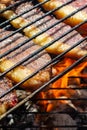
[11, 120]
[30, 106]
[64, 120]
[81, 120]
[62, 115]
[81, 105]
[20, 119]
[56, 120]
[65, 112]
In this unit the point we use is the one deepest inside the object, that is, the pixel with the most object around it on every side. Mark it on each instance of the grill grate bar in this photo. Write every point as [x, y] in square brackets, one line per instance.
[56, 59]
[61, 20]
[29, 97]
[34, 8]
[55, 112]
[49, 82]
[42, 48]
[60, 75]
[69, 88]
[43, 126]
[52, 99]
[26, 125]
[23, 43]
[11, 6]
[53, 60]
[7, 21]
[6, 27]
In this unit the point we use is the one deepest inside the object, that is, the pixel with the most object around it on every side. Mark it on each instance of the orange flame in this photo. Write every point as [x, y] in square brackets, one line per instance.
[63, 82]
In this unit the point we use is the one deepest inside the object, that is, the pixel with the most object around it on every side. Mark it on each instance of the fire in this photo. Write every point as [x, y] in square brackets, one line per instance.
[71, 78]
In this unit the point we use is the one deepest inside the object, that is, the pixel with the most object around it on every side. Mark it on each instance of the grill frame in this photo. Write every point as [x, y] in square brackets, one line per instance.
[55, 60]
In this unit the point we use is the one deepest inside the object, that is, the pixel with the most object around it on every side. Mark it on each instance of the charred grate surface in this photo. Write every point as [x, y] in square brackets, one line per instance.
[70, 119]
[77, 120]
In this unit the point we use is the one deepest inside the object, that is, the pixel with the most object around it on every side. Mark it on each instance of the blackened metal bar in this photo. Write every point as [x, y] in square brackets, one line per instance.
[69, 99]
[11, 6]
[42, 87]
[54, 99]
[42, 48]
[59, 75]
[68, 88]
[23, 43]
[7, 27]
[7, 21]
[61, 20]
[78, 76]
[56, 112]
[49, 82]
[27, 125]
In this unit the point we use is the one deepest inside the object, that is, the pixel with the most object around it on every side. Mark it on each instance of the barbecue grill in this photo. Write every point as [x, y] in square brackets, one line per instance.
[34, 119]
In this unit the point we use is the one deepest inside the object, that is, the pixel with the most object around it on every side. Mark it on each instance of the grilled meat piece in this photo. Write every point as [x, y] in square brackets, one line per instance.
[7, 2]
[45, 38]
[67, 10]
[10, 99]
[27, 68]
[49, 20]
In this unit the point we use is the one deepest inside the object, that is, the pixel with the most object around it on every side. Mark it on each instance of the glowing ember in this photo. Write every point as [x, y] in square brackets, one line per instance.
[73, 77]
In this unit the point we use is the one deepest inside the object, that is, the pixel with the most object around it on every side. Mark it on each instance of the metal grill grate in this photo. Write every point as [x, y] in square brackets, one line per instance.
[55, 60]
